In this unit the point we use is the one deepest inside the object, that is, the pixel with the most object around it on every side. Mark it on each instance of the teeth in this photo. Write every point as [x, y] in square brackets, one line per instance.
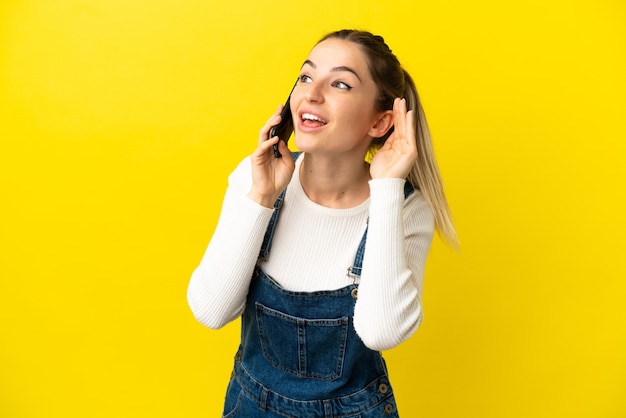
[309, 116]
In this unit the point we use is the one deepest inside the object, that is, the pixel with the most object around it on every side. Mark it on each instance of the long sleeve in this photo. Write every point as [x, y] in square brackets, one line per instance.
[219, 285]
[389, 309]
[311, 250]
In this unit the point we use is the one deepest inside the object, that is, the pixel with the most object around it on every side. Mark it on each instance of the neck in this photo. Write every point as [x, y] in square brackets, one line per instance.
[335, 182]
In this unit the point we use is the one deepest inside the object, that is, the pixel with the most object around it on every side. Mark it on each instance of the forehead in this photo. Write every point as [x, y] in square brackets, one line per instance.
[339, 52]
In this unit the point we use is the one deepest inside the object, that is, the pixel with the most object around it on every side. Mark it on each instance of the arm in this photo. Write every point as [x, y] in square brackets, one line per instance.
[389, 309]
[218, 287]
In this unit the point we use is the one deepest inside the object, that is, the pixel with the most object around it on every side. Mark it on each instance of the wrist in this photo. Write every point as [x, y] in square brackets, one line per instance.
[262, 199]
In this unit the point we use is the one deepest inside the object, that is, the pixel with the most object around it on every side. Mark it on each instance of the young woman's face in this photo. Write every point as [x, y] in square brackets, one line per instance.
[333, 103]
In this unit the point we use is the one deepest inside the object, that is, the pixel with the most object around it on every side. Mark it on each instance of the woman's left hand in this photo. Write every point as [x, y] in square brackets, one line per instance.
[399, 153]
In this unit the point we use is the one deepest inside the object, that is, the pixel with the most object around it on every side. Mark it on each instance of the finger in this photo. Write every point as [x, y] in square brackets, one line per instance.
[399, 116]
[284, 149]
[410, 128]
[264, 149]
[272, 121]
[268, 144]
[264, 133]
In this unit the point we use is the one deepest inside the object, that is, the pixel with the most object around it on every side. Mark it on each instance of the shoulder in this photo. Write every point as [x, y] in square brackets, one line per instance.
[240, 179]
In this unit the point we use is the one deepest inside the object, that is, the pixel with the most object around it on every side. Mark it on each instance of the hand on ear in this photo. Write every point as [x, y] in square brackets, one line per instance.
[399, 152]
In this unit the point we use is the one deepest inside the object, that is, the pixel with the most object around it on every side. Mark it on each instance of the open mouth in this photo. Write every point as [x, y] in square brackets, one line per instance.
[311, 120]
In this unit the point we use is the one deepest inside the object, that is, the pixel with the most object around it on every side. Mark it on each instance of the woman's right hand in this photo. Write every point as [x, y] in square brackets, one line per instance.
[270, 175]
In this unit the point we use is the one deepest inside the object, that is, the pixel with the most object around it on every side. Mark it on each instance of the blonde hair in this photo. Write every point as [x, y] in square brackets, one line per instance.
[393, 81]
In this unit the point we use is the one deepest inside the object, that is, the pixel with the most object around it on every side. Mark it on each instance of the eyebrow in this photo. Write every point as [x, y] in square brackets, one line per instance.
[334, 69]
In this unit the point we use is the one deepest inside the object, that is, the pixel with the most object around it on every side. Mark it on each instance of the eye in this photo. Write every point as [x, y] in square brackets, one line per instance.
[304, 78]
[341, 85]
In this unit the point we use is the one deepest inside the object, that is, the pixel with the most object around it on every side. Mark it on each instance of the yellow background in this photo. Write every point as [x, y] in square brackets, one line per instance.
[120, 120]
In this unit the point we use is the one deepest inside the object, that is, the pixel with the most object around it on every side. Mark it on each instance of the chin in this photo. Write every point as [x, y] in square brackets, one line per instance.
[304, 145]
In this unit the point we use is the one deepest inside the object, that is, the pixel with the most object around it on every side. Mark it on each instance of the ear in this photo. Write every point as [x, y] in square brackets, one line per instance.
[383, 122]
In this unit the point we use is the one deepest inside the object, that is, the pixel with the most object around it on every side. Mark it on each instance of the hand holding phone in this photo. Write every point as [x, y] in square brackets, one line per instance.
[285, 128]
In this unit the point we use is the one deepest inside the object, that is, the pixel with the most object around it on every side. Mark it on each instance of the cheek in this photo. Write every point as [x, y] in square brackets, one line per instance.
[295, 100]
[361, 119]
[297, 95]
[294, 96]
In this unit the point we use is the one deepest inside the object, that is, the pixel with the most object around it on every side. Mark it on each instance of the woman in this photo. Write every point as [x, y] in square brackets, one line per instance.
[310, 343]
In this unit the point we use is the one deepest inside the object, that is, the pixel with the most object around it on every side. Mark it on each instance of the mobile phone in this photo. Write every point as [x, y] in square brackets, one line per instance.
[285, 128]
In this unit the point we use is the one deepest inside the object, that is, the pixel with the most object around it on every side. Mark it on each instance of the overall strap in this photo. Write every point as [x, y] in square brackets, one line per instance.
[269, 232]
[355, 269]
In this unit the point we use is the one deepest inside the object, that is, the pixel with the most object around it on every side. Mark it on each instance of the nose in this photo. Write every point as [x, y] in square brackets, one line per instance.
[314, 92]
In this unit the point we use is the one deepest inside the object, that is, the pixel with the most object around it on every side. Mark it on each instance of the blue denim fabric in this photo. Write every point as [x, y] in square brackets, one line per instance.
[300, 356]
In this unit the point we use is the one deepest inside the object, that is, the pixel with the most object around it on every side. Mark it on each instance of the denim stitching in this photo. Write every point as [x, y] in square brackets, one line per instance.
[300, 325]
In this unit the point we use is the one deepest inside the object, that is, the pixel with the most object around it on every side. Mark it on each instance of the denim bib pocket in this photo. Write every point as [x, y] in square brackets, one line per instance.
[308, 348]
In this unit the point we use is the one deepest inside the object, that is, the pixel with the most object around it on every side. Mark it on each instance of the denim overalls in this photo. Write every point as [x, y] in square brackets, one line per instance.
[300, 356]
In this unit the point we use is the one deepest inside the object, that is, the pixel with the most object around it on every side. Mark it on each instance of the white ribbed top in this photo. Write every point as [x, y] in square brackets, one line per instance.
[311, 250]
